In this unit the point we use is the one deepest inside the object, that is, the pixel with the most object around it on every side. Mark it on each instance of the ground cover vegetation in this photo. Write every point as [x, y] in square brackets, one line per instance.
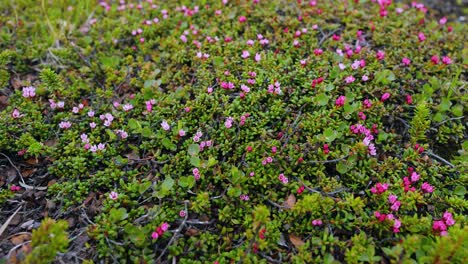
[232, 132]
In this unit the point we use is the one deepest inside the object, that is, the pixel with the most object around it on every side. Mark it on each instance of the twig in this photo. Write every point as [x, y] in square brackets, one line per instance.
[5, 225]
[327, 161]
[15, 247]
[450, 119]
[22, 183]
[439, 158]
[198, 222]
[176, 232]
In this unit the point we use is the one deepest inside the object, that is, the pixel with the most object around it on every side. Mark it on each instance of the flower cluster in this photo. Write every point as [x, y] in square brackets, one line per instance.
[29, 92]
[440, 226]
[160, 230]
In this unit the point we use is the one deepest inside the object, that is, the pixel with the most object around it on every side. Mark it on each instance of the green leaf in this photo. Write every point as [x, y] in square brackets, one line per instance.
[457, 110]
[234, 192]
[134, 125]
[322, 99]
[111, 61]
[444, 105]
[167, 143]
[147, 132]
[111, 134]
[195, 161]
[193, 149]
[167, 184]
[116, 215]
[212, 161]
[143, 187]
[460, 190]
[186, 181]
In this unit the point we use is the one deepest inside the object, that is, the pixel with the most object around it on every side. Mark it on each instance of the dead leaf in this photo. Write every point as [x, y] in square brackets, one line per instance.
[191, 232]
[296, 241]
[18, 239]
[28, 172]
[290, 201]
[51, 142]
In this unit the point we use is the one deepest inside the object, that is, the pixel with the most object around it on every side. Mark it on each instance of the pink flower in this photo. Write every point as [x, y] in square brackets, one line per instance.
[380, 55]
[316, 222]
[181, 133]
[446, 60]
[92, 125]
[164, 226]
[318, 52]
[435, 59]
[392, 198]
[350, 79]
[113, 195]
[365, 78]
[165, 125]
[16, 114]
[448, 219]
[228, 122]
[101, 146]
[65, 125]
[384, 97]
[439, 226]
[340, 101]
[379, 188]
[154, 235]
[442, 21]
[326, 150]
[182, 213]
[242, 19]
[258, 57]
[245, 54]
[421, 37]
[427, 188]
[395, 206]
[362, 116]
[409, 99]
[414, 177]
[367, 103]
[29, 92]
[406, 61]
[196, 173]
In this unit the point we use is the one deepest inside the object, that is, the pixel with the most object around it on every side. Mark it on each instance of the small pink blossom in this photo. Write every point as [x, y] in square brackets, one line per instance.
[446, 60]
[317, 222]
[245, 54]
[113, 195]
[380, 55]
[350, 79]
[165, 125]
[421, 37]
[448, 219]
[258, 57]
[65, 125]
[427, 188]
[384, 97]
[29, 92]
[406, 61]
[242, 19]
[16, 114]
[442, 21]
[182, 213]
[414, 177]
[340, 101]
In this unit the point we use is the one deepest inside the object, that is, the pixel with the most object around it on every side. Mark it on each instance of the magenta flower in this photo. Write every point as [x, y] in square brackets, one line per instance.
[317, 222]
[427, 188]
[340, 101]
[154, 235]
[242, 19]
[380, 55]
[446, 60]
[384, 97]
[442, 21]
[379, 188]
[245, 54]
[414, 177]
[421, 37]
[435, 59]
[392, 198]
[182, 213]
[448, 219]
[406, 61]
[395, 206]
